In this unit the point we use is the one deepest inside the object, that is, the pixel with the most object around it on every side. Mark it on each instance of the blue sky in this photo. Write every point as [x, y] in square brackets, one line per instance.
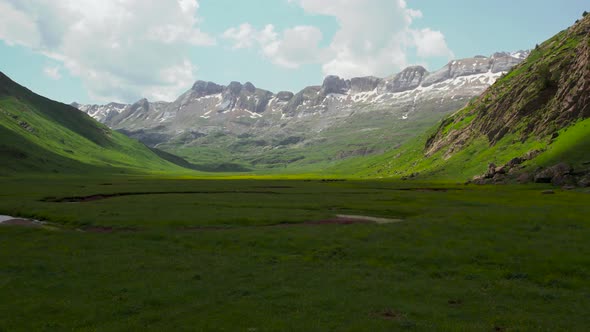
[121, 50]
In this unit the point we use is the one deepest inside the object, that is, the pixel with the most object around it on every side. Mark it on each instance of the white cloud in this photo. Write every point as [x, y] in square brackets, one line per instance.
[52, 72]
[374, 38]
[297, 46]
[121, 49]
[16, 27]
[431, 43]
[244, 36]
[291, 49]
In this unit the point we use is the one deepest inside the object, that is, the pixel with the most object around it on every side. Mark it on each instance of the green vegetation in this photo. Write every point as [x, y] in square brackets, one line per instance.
[470, 258]
[38, 135]
[365, 136]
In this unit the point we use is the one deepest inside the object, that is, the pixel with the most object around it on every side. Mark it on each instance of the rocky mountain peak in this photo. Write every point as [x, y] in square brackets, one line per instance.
[334, 84]
[249, 87]
[410, 78]
[233, 89]
[202, 88]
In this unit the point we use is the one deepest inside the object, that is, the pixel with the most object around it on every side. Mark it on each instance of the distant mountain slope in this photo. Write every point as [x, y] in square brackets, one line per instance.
[529, 121]
[339, 119]
[38, 135]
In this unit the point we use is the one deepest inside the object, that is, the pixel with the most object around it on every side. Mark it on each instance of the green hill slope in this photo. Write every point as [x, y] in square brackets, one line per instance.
[537, 113]
[38, 135]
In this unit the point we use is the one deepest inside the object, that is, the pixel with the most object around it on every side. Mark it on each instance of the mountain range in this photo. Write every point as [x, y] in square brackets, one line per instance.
[239, 126]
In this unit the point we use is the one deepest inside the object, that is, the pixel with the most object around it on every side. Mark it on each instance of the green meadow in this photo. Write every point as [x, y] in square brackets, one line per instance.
[153, 254]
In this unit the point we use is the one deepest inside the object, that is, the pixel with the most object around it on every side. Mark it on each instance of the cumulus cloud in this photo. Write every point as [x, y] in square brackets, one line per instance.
[52, 72]
[431, 43]
[374, 38]
[16, 27]
[291, 48]
[121, 49]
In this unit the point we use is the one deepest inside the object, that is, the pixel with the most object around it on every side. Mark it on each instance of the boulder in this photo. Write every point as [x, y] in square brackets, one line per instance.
[491, 171]
[558, 174]
[515, 162]
[524, 178]
[562, 169]
[544, 176]
[563, 180]
[501, 170]
[584, 182]
[499, 178]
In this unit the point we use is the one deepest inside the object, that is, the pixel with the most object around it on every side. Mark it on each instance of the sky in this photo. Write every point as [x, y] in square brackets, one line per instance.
[92, 51]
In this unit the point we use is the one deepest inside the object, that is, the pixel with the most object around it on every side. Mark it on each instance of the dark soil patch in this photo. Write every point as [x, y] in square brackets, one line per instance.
[96, 197]
[21, 222]
[455, 303]
[275, 187]
[332, 221]
[208, 228]
[443, 190]
[389, 315]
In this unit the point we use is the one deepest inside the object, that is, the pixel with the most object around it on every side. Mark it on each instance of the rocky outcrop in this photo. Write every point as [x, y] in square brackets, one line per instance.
[410, 78]
[102, 113]
[561, 174]
[499, 62]
[364, 84]
[310, 95]
[334, 84]
[285, 95]
[202, 88]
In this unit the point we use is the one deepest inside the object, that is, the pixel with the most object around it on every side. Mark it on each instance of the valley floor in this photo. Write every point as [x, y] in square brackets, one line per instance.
[135, 253]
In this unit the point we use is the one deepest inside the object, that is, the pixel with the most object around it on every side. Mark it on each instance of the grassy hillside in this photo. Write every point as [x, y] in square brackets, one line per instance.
[367, 133]
[539, 111]
[38, 135]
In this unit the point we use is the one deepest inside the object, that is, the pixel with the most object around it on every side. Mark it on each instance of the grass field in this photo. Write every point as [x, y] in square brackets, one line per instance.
[242, 255]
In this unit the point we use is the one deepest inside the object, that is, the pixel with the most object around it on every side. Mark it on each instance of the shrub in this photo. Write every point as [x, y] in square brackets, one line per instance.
[546, 77]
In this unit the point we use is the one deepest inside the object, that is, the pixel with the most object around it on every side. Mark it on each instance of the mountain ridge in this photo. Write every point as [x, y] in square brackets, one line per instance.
[260, 128]
[409, 78]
